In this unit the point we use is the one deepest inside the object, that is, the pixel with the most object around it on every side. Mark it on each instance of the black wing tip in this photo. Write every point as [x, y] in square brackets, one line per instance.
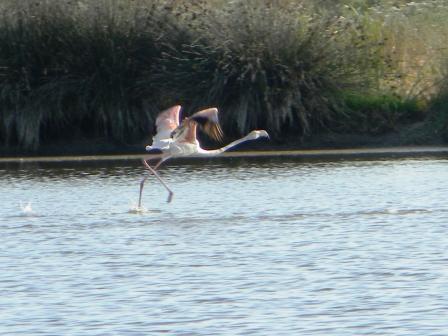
[200, 120]
[211, 128]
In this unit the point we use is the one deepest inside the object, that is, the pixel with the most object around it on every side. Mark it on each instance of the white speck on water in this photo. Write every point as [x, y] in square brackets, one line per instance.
[27, 209]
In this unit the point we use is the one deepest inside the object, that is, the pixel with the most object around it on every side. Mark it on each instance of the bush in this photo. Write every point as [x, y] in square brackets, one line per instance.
[377, 114]
[69, 69]
[439, 113]
[73, 69]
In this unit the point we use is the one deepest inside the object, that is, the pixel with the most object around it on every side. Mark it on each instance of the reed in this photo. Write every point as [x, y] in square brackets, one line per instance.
[273, 67]
[410, 81]
[76, 69]
[70, 69]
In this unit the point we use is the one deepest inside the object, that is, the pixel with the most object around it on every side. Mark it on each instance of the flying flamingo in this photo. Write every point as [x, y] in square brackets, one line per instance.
[175, 139]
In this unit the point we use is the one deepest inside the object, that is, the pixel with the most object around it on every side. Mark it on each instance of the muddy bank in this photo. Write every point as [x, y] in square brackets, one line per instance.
[398, 144]
[410, 136]
[405, 151]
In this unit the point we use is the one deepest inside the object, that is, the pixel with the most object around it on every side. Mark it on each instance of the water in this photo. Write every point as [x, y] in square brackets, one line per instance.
[247, 247]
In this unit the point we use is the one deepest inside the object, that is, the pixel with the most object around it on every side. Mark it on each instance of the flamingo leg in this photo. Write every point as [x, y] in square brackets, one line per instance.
[142, 183]
[153, 170]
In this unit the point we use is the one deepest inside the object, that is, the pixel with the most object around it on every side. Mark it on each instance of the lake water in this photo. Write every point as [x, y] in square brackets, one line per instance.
[248, 246]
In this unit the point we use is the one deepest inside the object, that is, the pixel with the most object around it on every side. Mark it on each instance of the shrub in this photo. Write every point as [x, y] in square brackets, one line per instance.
[377, 114]
[274, 67]
[71, 69]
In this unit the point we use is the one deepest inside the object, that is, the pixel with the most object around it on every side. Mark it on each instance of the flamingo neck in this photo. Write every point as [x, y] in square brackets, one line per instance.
[221, 150]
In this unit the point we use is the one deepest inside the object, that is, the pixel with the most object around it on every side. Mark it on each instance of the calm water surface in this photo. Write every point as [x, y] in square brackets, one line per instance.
[247, 247]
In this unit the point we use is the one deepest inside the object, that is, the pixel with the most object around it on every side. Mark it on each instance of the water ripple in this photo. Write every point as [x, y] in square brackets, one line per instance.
[255, 248]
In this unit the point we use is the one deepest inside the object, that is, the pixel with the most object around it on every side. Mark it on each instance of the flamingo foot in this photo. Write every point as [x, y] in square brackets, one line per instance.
[170, 197]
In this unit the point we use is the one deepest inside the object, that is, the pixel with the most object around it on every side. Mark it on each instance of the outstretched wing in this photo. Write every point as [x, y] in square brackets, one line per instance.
[167, 121]
[209, 123]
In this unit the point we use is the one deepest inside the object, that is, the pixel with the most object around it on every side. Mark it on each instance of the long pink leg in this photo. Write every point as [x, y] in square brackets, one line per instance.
[153, 170]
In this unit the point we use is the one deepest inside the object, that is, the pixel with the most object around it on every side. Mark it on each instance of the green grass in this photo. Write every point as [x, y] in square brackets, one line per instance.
[82, 69]
[378, 114]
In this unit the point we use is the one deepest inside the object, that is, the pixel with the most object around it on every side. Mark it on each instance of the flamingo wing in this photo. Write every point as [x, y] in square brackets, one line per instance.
[167, 121]
[209, 123]
[186, 132]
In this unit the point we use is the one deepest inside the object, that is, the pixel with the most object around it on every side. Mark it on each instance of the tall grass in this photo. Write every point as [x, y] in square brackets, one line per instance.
[420, 43]
[275, 67]
[73, 69]
[411, 39]
[70, 69]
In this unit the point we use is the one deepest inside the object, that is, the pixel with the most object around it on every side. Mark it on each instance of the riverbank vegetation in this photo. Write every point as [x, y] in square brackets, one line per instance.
[103, 69]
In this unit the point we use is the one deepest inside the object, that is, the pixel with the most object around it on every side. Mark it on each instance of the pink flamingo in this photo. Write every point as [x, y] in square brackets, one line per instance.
[175, 139]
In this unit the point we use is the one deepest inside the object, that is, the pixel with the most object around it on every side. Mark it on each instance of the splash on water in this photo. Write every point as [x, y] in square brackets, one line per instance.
[138, 210]
[135, 209]
[27, 209]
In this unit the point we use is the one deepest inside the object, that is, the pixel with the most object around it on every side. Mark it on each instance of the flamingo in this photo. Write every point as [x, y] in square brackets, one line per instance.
[178, 139]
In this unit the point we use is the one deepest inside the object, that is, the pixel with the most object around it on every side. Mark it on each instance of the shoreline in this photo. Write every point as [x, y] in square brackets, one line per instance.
[410, 141]
[400, 151]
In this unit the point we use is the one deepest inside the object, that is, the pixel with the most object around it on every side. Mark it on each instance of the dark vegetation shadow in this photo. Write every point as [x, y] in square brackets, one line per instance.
[91, 76]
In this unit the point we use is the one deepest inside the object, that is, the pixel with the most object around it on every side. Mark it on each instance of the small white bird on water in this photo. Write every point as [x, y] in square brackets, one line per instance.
[174, 139]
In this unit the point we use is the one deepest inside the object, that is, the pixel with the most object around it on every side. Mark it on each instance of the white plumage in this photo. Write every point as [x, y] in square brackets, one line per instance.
[174, 138]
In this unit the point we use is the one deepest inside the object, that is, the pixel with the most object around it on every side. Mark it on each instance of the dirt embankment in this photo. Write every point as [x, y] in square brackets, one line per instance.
[416, 135]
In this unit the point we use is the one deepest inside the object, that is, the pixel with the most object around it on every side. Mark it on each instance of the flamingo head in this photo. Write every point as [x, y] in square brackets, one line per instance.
[258, 134]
